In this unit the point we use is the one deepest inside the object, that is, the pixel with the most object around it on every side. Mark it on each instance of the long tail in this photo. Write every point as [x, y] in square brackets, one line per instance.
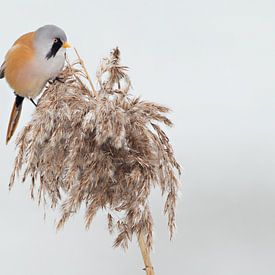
[14, 117]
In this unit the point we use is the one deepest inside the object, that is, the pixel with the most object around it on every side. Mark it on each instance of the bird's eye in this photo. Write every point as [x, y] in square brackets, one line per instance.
[57, 44]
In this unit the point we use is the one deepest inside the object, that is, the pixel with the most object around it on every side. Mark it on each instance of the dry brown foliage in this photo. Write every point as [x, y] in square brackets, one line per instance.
[105, 151]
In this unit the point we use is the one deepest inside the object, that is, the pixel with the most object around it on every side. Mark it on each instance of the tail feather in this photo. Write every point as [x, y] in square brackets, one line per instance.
[14, 117]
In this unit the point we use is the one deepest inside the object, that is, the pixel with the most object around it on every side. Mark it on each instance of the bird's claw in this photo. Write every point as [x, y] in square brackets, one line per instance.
[58, 78]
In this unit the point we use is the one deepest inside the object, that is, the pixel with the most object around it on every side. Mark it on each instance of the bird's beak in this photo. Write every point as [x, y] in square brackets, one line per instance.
[66, 45]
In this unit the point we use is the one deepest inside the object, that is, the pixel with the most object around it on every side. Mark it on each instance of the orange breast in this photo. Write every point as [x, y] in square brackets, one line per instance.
[18, 59]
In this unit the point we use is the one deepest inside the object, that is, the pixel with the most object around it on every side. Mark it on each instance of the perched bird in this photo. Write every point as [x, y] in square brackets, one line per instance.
[34, 59]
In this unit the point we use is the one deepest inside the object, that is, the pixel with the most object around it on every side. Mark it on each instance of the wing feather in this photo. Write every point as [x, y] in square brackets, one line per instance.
[2, 70]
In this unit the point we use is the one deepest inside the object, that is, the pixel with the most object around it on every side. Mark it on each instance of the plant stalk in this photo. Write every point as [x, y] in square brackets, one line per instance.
[146, 255]
[86, 72]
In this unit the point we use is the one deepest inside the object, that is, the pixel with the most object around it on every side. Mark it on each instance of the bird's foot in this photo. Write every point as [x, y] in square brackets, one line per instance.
[58, 78]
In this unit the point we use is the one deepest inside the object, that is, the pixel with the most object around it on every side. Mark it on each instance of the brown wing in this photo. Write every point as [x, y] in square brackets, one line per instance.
[16, 60]
[26, 41]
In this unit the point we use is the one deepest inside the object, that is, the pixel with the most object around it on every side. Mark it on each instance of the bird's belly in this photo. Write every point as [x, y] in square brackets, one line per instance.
[29, 80]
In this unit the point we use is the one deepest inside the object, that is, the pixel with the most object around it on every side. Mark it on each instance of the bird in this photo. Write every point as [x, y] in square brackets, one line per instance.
[34, 59]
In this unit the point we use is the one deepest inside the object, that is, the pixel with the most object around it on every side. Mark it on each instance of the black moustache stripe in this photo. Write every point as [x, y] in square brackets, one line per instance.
[55, 47]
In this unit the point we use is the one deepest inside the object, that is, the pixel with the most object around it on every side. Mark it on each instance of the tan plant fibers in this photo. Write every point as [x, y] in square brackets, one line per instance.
[105, 151]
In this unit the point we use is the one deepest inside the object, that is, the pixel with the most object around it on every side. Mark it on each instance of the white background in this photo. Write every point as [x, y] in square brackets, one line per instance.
[213, 63]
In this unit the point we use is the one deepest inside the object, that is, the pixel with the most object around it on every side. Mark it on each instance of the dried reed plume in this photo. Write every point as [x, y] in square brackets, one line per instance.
[102, 148]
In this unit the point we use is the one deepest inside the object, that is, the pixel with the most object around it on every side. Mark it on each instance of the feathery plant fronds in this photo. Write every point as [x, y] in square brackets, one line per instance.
[103, 149]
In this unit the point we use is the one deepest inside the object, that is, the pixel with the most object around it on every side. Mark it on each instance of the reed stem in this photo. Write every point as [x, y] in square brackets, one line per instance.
[86, 72]
[146, 255]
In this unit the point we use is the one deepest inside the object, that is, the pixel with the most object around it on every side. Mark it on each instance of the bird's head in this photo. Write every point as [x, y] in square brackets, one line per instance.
[50, 41]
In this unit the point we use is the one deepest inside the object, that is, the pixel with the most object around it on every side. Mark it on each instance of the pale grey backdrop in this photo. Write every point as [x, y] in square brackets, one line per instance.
[213, 63]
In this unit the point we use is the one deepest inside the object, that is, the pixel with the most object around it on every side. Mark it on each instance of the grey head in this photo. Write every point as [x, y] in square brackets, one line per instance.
[50, 41]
